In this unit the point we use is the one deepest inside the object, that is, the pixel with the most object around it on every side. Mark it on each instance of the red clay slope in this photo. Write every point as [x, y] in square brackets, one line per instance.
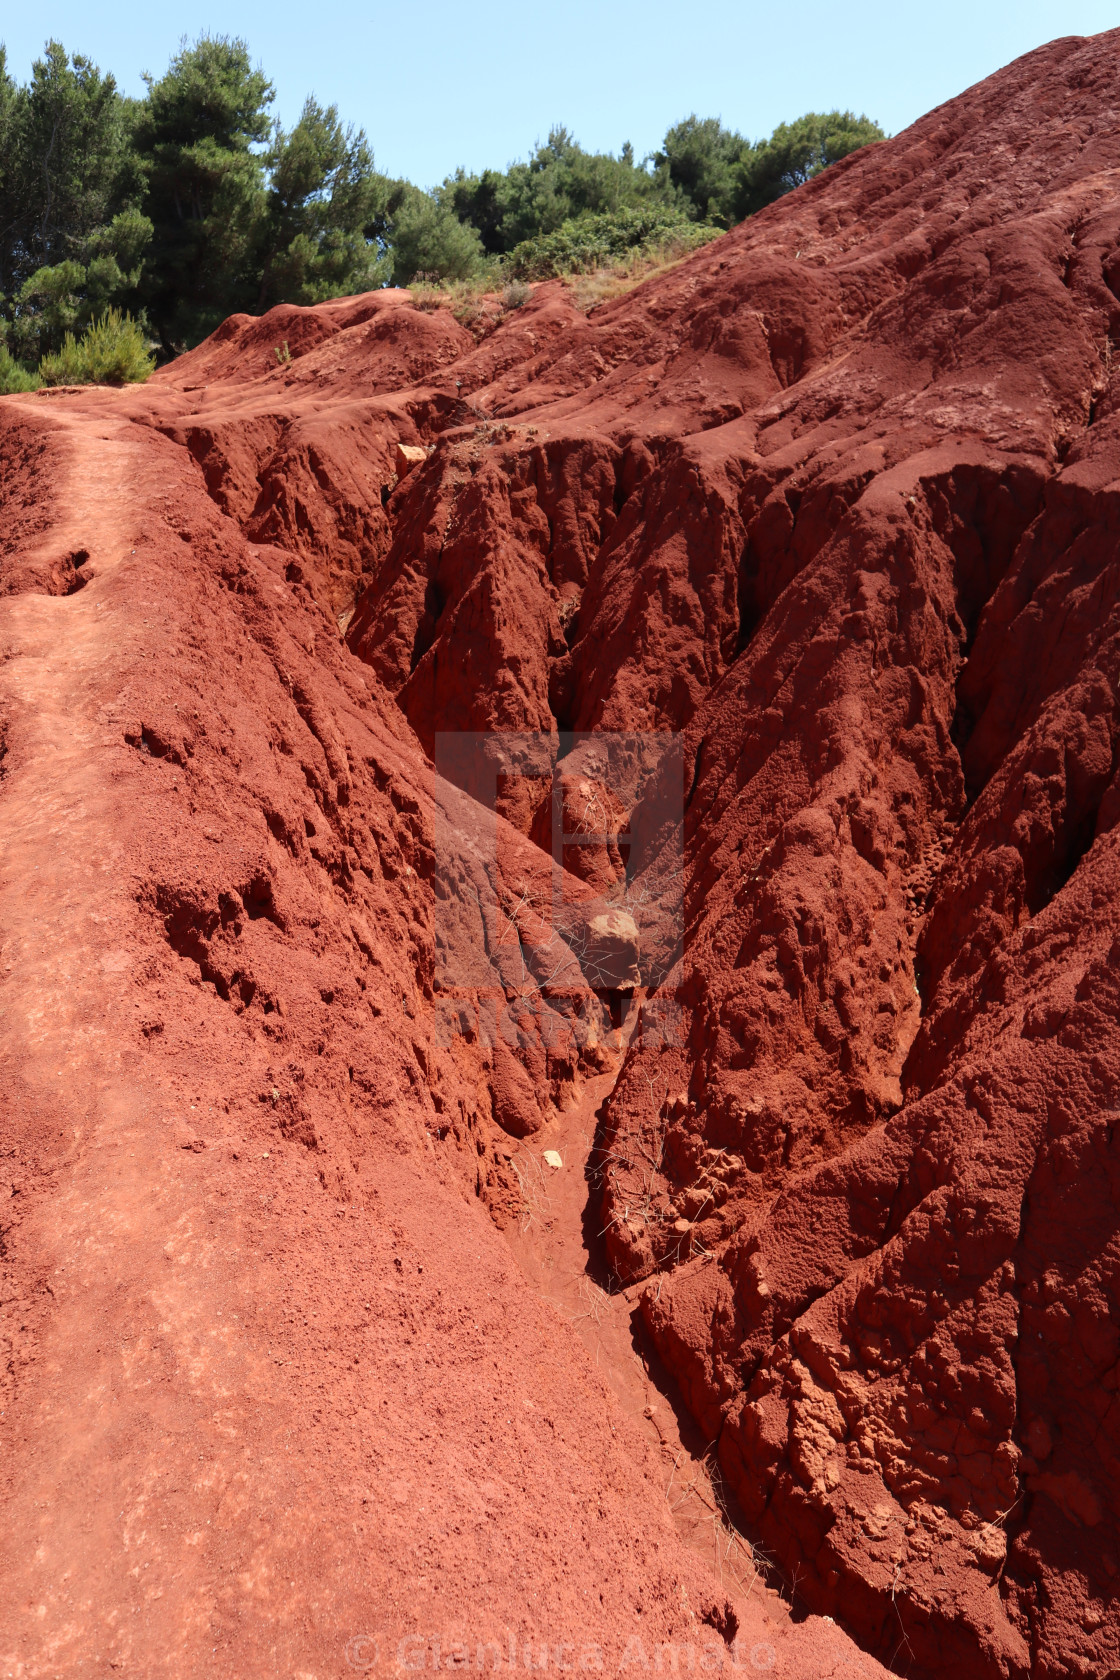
[276, 1396]
[838, 500]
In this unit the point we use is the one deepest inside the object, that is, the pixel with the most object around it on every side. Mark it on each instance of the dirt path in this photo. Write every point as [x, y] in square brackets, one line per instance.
[111, 1280]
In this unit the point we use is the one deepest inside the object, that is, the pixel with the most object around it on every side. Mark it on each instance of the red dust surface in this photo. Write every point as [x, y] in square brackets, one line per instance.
[789, 1339]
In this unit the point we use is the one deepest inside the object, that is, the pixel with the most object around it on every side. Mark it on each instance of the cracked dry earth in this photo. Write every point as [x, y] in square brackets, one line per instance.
[804, 1358]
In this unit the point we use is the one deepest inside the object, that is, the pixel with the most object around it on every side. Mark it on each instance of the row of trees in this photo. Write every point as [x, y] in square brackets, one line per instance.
[192, 202]
[706, 172]
[187, 204]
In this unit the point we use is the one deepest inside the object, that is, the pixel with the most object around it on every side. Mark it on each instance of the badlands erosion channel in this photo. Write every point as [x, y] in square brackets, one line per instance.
[561, 959]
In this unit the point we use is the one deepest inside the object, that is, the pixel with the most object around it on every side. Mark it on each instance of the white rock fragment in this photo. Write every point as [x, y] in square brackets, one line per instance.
[406, 456]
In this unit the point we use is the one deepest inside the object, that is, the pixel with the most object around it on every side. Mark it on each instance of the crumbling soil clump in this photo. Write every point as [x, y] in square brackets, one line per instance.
[683, 739]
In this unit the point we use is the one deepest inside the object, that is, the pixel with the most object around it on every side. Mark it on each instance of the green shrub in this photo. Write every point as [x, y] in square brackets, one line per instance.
[699, 161]
[560, 183]
[797, 151]
[112, 351]
[429, 240]
[13, 375]
[590, 242]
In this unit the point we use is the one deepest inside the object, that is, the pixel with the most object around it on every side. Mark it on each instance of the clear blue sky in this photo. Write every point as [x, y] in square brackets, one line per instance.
[436, 84]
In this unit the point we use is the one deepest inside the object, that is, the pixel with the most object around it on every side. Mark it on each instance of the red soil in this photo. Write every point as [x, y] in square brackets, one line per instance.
[837, 499]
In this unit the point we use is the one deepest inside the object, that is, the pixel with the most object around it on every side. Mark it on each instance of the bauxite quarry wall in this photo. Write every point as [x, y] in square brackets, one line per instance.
[833, 507]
